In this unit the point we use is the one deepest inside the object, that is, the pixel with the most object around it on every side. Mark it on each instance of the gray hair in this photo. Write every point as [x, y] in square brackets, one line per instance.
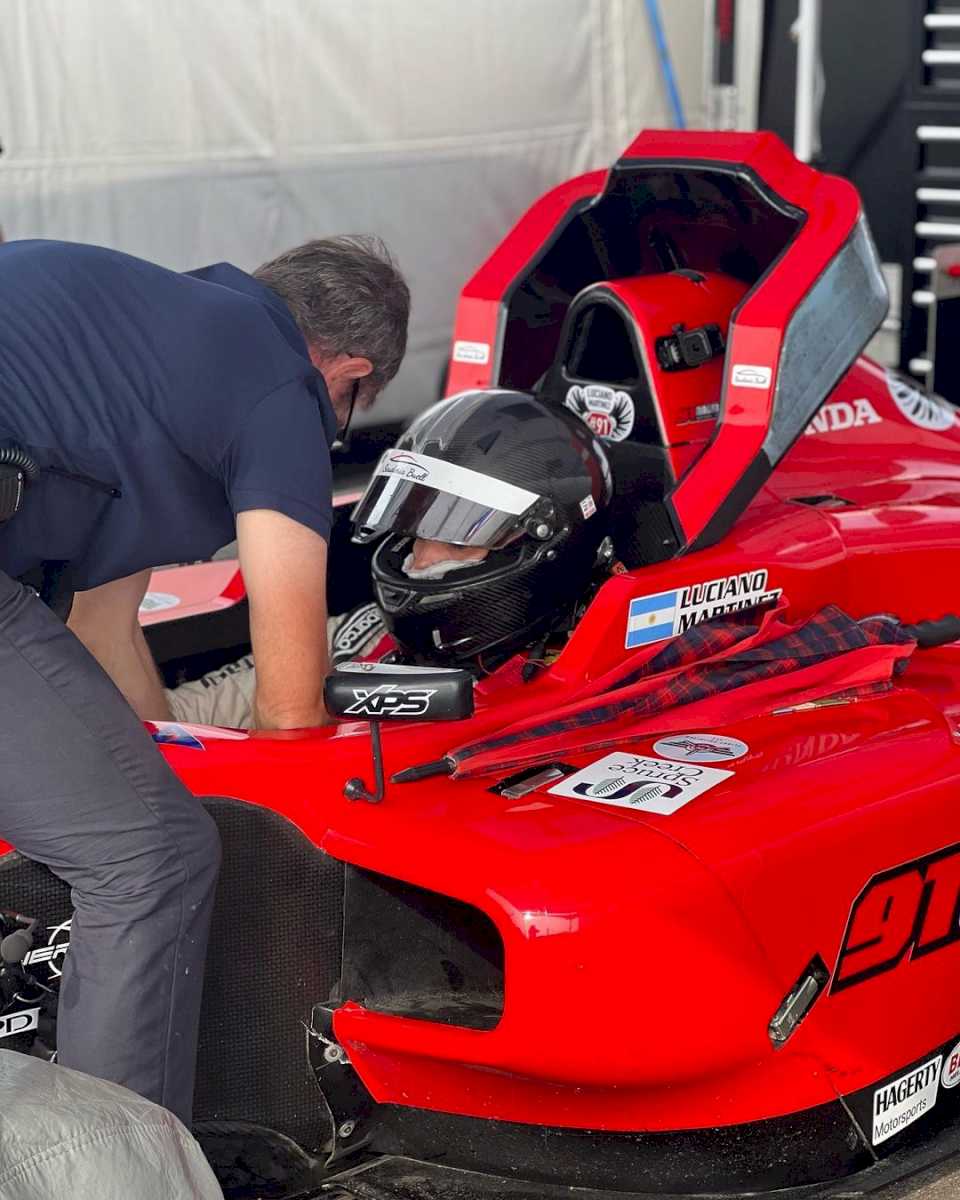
[347, 296]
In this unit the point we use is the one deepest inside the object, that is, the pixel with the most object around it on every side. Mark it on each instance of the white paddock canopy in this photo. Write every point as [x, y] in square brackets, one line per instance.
[190, 131]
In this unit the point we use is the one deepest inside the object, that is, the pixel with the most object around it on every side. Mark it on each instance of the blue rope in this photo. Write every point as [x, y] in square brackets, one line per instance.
[666, 64]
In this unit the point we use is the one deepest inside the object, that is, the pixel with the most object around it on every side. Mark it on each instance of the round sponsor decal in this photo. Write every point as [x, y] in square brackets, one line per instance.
[609, 413]
[925, 409]
[700, 747]
[158, 601]
[951, 1068]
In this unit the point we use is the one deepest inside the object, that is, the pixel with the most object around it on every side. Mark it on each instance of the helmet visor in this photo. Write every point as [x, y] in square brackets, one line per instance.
[424, 497]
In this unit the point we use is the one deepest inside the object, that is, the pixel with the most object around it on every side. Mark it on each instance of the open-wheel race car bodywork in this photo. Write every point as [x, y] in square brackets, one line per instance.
[508, 984]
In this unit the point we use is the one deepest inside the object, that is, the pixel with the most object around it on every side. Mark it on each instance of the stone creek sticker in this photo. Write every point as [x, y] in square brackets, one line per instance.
[701, 747]
[610, 414]
[898, 1104]
[640, 781]
[666, 614]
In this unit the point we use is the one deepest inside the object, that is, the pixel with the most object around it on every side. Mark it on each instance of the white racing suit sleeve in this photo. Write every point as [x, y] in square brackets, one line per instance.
[357, 634]
[221, 697]
[225, 696]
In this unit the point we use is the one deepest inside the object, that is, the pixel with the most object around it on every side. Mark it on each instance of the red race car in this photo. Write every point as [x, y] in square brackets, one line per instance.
[678, 911]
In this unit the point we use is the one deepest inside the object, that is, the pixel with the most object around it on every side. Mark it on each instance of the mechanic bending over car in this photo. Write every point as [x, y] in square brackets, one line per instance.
[497, 507]
[153, 416]
[225, 696]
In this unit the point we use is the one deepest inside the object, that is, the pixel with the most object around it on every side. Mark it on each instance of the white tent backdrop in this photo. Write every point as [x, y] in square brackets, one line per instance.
[189, 131]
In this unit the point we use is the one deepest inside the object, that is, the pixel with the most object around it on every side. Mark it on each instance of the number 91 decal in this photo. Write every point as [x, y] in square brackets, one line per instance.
[901, 914]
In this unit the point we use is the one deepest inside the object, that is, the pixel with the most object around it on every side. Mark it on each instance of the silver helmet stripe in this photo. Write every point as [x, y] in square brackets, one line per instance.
[383, 501]
[454, 480]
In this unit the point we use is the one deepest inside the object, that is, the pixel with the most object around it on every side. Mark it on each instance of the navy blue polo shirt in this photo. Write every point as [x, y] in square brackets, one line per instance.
[158, 404]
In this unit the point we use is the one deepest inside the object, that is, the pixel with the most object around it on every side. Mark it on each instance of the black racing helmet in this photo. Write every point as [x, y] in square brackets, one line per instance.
[523, 479]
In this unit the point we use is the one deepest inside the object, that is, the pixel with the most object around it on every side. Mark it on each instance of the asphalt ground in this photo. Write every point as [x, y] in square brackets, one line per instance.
[937, 1183]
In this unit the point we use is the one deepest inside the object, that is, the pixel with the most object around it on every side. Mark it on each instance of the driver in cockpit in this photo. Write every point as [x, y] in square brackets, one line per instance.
[492, 519]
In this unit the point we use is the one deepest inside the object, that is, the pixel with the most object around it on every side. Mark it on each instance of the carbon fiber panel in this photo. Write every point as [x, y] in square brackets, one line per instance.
[274, 953]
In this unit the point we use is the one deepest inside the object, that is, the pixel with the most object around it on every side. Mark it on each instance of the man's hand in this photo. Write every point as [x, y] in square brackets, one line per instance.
[284, 567]
[106, 619]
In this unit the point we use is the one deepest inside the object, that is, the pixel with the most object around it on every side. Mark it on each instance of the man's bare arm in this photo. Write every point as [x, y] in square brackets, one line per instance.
[106, 620]
[284, 567]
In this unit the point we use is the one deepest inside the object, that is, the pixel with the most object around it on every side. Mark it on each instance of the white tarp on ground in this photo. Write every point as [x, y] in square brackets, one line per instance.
[66, 1134]
[190, 131]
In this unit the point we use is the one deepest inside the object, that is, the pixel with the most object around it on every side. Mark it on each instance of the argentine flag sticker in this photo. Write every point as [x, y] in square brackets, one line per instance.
[651, 619]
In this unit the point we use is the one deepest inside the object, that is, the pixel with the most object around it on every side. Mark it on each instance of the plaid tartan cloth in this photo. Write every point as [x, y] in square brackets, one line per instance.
[728, 653]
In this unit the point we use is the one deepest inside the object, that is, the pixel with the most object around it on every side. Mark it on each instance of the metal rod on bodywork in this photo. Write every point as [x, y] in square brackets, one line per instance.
[356, 789]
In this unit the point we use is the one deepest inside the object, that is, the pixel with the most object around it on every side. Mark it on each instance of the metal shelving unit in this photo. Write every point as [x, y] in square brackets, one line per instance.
[933, 129]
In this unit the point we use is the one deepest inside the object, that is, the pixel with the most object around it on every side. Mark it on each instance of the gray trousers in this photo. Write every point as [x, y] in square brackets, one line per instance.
[85, 790]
